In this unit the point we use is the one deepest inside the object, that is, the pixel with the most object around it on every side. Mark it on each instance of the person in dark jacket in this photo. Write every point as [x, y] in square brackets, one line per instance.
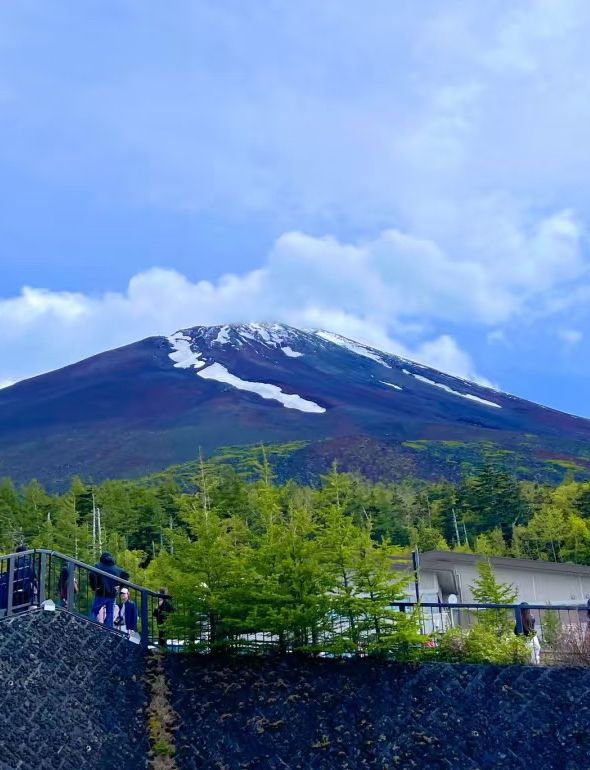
[525, 622]
[525, 626]
[161, 612]
[105, 588]
[127, 618]
[25, 585]
[62, 585]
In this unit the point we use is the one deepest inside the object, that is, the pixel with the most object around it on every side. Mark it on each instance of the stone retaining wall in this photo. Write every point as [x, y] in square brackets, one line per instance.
[349, 715]
[71, 696]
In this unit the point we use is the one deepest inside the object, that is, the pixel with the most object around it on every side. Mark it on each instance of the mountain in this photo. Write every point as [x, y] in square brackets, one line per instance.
[147, 405]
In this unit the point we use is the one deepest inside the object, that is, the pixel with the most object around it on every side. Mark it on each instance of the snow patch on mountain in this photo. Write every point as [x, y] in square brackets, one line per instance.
[269, 335]
[222, 336]
[468, 396]
[291, 353]
[391, 385]
[265, 390]
[272, 335]
[182, 353]
[354, 347]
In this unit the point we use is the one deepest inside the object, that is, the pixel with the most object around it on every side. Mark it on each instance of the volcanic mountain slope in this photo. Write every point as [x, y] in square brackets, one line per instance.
[156, 402]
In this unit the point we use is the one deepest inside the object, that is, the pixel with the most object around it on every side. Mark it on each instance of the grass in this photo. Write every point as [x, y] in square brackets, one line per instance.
[161, 718]
[420, 445]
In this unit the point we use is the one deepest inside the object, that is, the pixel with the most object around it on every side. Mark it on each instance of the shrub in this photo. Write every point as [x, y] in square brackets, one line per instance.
[572, 646]
[482, 645]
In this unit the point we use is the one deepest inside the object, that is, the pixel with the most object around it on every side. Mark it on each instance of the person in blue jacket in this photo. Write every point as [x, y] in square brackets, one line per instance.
[105, 588]
[127, 618]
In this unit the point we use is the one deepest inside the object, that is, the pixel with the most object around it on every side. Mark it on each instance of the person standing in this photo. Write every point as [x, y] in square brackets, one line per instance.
[62, 585]
[161, 612]
[105, 587]
[127, 618]
[525, 626]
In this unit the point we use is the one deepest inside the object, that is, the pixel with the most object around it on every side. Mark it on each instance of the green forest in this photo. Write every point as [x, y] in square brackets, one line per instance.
[253, 554]
[489, 511]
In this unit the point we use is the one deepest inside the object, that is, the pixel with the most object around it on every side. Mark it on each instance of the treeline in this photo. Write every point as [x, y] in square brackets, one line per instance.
[287, 560]
[489, 512]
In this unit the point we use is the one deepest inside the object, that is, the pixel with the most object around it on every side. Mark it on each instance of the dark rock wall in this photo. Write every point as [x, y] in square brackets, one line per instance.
[348, 715]
[73, 699]
[71, 696]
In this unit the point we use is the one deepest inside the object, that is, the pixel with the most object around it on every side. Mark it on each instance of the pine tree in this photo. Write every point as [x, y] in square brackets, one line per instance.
[35, 503]
[291, 585]
[339, 542]
[207, 570]
[487, 590]
[381, 625]
[10, 526]
[490, 543]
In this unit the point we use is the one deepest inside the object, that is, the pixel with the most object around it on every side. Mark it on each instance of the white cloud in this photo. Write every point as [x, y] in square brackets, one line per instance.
[6, 383]
[417, 118]
[385, 292]
[46, 330]
[571, 337]
[458, 139]
[445, 355]
[496, 336]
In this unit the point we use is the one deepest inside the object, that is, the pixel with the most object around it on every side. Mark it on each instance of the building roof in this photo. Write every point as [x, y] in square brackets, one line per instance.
[449, 559]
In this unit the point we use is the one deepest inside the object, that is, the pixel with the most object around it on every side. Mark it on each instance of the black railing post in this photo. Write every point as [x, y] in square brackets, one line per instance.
[42, 577]
[71, 594]
[145, 638]
[10, 586]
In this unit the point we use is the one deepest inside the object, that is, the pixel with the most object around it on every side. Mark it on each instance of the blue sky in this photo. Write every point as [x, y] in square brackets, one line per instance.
[413, 175]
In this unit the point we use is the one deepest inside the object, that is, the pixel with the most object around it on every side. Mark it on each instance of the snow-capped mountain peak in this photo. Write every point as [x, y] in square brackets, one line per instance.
[199, 348]
[201, 345]
[153, 403]
[270, 335]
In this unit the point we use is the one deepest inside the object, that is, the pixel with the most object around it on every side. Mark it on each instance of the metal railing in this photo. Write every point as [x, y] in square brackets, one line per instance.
[29, 578]
[562, 631]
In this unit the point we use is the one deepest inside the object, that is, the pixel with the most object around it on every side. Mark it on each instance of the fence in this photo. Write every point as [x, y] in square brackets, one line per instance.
[562, 631]
[29, 578]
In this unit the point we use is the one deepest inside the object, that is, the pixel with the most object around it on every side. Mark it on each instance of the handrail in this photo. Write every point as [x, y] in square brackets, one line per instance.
[91, 568]
[22, 589]
[488, 606]
[78, 563]
[41, 560]
[401, 603]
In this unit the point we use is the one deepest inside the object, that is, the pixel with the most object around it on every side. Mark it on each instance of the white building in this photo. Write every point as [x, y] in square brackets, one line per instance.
[443, 573]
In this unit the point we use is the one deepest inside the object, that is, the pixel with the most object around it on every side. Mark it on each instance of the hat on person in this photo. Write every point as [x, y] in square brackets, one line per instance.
[124, 591]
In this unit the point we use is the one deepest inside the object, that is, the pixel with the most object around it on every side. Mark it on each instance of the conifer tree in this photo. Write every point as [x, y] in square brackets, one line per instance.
[487, 590]
[35, 503]
[378, 588]
[10, 509]
[207, 570]
[292, 585]
[339, 543]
